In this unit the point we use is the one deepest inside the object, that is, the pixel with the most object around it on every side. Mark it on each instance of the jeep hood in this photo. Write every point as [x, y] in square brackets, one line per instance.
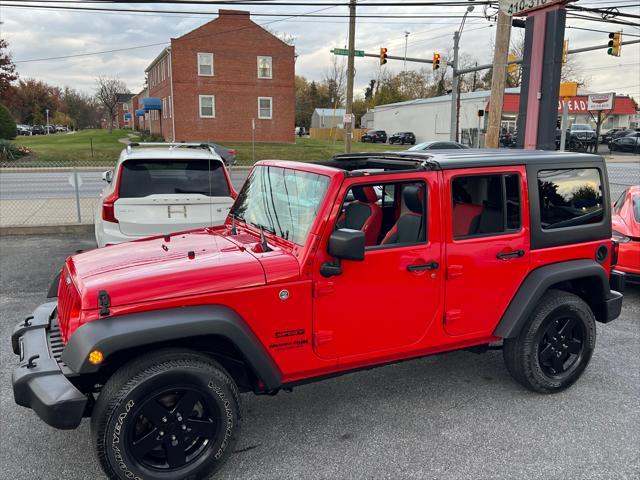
[181, 265]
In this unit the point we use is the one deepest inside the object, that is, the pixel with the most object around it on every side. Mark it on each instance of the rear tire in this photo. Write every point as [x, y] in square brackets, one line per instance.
[555, 345]
[169, 415]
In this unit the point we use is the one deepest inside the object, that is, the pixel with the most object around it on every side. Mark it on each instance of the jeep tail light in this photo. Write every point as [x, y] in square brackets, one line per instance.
[232, 151]
[615, 246]
[108, 206]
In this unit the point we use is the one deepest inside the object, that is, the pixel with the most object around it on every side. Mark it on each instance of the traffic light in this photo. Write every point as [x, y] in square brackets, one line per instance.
[615, 43]
[436, 61]
[565, 47]
[383, 56]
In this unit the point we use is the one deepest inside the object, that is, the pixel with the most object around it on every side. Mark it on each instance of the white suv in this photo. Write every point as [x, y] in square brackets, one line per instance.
[160, 188]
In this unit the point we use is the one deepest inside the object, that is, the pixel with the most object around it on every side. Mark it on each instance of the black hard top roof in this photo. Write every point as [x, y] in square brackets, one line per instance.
[458, 158]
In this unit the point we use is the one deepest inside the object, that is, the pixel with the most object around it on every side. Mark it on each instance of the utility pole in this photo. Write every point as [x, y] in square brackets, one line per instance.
[406, 37]
[498, 80]
[453, 135]
[348, 134]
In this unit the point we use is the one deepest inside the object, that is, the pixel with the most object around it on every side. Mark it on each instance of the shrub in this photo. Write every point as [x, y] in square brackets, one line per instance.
[11, 151]
[7, 124]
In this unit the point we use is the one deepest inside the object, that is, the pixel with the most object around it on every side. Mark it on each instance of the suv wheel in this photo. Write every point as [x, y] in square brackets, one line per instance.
[554, 346]
[171, 415]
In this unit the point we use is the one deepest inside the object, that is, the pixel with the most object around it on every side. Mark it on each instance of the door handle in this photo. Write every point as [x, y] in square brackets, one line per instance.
[508, 255]
[423, 266]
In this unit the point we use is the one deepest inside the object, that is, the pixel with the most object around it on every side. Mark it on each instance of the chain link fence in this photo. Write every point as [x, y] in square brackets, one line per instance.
[63, 187]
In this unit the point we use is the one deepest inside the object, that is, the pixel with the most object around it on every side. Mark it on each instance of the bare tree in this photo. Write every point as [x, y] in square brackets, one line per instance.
[336, 79]
[107, 94]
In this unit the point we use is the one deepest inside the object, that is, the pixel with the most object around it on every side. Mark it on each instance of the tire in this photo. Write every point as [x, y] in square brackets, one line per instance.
[570, 352]
[146, 396]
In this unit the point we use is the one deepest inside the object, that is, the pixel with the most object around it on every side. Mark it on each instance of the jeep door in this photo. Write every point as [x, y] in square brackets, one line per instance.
[487, 245]
[385, 303]
[165, 196]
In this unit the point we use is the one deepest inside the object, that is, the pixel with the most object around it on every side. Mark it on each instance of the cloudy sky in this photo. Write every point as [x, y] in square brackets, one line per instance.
[36, 34]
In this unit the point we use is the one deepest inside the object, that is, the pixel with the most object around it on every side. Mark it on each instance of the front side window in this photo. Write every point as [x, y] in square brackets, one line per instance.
[265, 67]
[283, 201]
[485, 205]
[570, 197]
[207, 106]
[205, 64]
[265, 108]
[141, 178]
[389, 214]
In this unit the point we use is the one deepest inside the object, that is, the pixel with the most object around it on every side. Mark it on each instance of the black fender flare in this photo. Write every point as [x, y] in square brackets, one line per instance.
[539, 281]
[117, 333]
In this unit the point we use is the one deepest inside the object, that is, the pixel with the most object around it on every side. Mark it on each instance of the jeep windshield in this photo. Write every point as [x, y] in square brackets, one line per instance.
[281, 201]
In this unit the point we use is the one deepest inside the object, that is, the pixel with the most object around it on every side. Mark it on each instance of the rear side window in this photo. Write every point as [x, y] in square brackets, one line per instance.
[485, 205]
[570, 197]
[141, 178]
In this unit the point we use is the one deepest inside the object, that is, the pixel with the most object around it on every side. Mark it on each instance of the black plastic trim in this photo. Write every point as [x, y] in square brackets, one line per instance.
[541, 279]
[118, 333]
[53, 288]
[38, 382]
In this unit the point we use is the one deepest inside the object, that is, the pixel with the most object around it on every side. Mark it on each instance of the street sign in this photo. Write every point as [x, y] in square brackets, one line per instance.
[600, 101]
[518, 8]
[72, 180]
[347, 118]
[345, 51]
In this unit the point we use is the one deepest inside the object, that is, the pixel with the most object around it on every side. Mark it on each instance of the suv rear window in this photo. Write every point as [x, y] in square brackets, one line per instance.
[141, 178]
[570, 197]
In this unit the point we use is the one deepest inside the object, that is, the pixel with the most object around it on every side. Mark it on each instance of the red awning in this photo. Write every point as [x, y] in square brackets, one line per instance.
[621, 106]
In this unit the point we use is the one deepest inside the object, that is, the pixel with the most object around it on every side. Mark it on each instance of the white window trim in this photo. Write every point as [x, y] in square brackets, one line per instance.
[270, 117]
[162, 69]
[270, 69]
[198, 62]
[213, 105]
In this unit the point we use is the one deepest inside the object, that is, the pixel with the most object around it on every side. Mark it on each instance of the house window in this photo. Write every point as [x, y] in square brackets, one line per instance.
[205, 64]
[207, 106]
[125, 107]
[265, 67]
[164, 107]
[162, 70]
[265, 108]
[169, 106]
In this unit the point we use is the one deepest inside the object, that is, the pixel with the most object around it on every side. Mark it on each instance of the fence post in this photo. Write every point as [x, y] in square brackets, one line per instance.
[77, 189]
[91, 141]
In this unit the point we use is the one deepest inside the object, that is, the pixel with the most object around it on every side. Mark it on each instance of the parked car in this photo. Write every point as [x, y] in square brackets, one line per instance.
[156, 189]
[374, 136]
[228, 154]
[628, 143]
[436, 145]
[508, 139]
[582, 134]
[23, 129]
[402, 138]
[50, 129]
[38, 130]
[623, 133]
[625, 220]
[61, 128]
[607, 136]
[155, 339]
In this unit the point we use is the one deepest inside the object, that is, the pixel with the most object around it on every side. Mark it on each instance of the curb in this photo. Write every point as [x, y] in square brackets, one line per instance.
[45, 229]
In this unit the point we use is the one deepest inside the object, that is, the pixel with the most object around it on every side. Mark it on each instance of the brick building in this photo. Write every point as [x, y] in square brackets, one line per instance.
[122, 109]
[222, 78]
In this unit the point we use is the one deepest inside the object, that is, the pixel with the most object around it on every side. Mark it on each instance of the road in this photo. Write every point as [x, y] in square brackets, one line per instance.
[453, 416]
[52, 184]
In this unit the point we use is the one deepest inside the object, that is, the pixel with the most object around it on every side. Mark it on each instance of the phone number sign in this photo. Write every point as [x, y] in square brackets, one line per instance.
[517, 8]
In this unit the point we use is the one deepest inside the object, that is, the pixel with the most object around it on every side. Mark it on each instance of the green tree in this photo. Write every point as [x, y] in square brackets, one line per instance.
[7, 124]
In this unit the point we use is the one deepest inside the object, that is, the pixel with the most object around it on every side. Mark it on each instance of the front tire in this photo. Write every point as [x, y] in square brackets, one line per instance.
[555, 345]
[170, 415]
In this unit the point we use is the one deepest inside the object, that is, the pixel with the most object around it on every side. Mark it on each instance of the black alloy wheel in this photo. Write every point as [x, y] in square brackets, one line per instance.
[172, 428]
[561, 345]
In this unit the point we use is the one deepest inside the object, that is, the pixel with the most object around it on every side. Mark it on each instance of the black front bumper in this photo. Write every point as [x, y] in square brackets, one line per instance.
[39, 382]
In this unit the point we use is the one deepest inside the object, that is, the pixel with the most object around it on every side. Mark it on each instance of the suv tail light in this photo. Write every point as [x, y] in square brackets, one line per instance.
[615, 246]
[108, 213]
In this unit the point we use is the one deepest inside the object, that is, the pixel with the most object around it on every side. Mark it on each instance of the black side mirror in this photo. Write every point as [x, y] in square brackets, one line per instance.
[344, 244]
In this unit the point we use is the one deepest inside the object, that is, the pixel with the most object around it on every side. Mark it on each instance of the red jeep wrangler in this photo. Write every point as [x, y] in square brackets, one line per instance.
[321, 270]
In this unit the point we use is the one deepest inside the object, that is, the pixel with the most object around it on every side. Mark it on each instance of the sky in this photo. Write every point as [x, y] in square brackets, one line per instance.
[38, 33]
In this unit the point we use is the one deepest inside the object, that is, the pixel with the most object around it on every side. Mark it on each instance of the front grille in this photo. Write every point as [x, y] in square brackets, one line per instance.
[67, 298]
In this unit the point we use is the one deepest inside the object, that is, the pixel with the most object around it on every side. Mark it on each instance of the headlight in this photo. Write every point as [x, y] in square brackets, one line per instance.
[620, 237]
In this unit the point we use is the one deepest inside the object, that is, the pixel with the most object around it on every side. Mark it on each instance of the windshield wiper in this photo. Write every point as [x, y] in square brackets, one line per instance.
[263, 240]
[261, 227]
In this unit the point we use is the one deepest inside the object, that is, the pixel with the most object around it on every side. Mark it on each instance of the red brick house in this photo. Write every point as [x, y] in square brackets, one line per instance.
[218, 81]
[122, 108]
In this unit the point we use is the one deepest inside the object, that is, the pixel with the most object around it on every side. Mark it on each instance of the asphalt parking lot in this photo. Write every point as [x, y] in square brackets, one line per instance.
[452, 416]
